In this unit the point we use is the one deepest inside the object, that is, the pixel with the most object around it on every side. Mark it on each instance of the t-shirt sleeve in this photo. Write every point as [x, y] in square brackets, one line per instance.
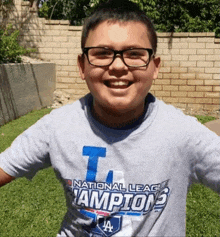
[206, 157]
[29, 152]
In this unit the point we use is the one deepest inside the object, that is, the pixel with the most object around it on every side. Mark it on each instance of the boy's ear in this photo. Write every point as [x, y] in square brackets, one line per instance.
[157, 67]
[80, 63]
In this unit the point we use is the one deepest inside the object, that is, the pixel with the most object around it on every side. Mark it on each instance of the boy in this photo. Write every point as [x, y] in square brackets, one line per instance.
[124, 158]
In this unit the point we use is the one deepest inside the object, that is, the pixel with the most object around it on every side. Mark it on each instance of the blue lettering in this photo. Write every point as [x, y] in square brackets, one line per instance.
[94, 153]
[109, 178]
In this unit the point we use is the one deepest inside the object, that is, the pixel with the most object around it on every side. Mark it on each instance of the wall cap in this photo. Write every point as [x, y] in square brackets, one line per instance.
[185, 34]
[217, 40]
[57, 22]
[37, 62]
[75, 28]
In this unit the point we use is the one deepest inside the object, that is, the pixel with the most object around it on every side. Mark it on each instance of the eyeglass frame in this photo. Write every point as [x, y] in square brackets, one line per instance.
[120, 52]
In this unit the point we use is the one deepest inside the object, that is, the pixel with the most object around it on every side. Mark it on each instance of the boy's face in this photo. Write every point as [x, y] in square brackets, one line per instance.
[118, 88]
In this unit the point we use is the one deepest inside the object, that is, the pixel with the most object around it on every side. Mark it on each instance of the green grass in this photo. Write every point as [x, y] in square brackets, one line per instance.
[203, 212]
[36, 208]
[203, 207]
[204, 119]
[33, 208]
[11, 130]
[27, 208]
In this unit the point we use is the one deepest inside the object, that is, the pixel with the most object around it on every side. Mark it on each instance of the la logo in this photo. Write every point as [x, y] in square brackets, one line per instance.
[107, 226]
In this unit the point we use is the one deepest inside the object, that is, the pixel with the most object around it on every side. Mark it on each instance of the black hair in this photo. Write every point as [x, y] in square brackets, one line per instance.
[118, 11]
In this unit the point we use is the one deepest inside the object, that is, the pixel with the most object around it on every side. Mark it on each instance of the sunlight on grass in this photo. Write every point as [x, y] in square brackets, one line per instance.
[11, 130]
[204, 119]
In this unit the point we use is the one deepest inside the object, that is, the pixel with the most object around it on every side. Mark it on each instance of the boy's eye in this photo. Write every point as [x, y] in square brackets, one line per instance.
[134, 53]
[101, 53]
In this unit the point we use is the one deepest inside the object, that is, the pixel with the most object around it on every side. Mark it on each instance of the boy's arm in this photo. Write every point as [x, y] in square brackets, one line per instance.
[5, 178]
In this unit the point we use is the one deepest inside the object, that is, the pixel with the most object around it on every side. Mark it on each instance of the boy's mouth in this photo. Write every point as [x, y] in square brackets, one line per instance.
[117, 84]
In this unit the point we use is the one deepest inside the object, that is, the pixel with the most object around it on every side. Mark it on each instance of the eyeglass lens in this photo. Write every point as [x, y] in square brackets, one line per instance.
[131, 57]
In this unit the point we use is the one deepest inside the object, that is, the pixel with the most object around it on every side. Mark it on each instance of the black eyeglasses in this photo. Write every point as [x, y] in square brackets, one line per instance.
[103, 56]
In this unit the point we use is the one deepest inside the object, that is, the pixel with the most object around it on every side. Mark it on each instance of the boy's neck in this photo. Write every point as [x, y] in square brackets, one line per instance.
[117, 119]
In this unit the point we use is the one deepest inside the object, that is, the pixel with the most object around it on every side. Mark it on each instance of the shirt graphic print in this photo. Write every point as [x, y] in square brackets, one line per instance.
[109, 204]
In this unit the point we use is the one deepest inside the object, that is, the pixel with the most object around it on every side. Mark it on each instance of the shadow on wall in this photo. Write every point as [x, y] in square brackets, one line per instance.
[25, 87]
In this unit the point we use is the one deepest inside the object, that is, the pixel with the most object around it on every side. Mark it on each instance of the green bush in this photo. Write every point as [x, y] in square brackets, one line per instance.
[167, 16]
[10, 50]
[44, 11]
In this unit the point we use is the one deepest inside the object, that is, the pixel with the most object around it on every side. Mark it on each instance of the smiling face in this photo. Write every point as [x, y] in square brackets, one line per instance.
[118, 88]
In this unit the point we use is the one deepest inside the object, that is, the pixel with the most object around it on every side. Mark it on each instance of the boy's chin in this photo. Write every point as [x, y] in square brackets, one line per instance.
[121, 107]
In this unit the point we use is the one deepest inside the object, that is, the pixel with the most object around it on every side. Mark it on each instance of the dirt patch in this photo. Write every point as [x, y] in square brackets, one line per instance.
[61, 98]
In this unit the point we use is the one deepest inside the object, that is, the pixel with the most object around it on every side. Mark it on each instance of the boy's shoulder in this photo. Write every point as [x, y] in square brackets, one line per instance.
[170, 112]
[171, 120]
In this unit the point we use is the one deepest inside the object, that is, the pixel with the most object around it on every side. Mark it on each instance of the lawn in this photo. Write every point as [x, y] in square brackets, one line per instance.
[36, 208]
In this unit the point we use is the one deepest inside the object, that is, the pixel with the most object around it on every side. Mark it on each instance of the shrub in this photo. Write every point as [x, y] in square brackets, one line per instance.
[10, 50]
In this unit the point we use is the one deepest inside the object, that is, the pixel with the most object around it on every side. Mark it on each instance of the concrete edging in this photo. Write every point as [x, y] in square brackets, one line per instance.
[25, 87]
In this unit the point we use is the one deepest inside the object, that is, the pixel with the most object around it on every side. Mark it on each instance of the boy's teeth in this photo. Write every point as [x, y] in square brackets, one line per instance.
[119, 83]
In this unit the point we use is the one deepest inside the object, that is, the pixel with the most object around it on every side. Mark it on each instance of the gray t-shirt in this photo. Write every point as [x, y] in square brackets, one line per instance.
[120, 182]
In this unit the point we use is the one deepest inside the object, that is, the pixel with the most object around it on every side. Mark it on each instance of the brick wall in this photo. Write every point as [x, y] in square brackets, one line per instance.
[189, 76]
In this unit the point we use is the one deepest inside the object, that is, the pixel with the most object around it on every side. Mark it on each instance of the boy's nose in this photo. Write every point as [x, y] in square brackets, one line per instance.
[118, 63]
